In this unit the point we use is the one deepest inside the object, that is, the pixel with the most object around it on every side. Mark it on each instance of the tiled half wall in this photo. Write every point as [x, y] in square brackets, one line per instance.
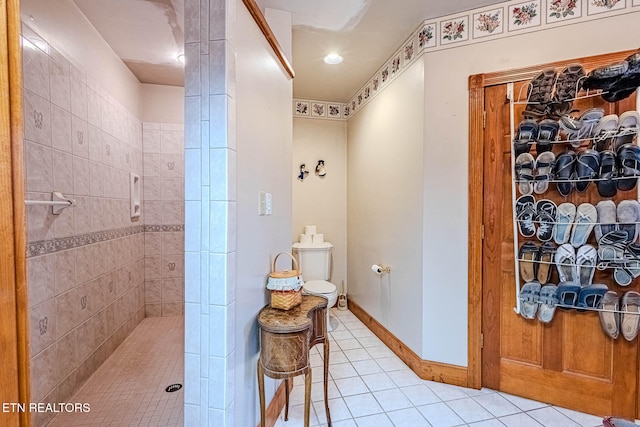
[88, 266]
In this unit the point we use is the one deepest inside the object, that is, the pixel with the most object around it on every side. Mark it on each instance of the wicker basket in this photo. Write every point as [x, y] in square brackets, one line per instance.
[285, 299]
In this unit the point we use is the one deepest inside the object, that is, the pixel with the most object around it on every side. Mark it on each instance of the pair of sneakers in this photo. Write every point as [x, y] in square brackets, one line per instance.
[551, 93]
[536, 218]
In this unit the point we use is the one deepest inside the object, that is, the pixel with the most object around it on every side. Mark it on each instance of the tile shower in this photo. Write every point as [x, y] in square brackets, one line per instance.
[93, 271]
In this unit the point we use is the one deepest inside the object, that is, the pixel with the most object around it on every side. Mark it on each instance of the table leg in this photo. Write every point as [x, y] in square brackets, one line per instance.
[307, 396]
[286, 399]
[326, 379]
[261, 393]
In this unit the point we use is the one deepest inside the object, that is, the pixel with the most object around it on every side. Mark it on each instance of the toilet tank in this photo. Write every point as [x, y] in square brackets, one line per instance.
[314, 260]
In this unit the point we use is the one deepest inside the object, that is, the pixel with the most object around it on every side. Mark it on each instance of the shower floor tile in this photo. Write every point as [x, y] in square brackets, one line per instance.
[129, 388]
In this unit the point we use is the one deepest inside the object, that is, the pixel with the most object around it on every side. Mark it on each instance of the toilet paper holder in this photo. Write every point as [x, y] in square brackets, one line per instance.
[379, 268]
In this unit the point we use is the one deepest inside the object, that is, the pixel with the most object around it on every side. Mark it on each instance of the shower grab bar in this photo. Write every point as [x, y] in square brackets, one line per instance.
[58, 202]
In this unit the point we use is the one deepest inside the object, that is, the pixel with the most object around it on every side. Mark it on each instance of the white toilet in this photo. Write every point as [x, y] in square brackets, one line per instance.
[314, 261]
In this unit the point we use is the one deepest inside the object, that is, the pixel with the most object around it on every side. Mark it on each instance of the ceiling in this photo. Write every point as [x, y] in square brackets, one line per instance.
[364, 32]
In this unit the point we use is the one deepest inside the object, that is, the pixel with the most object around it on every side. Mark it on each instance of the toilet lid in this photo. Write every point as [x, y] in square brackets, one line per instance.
[320, 287]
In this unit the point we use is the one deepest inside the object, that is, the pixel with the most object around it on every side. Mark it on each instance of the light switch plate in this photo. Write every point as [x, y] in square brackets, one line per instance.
[268, 205]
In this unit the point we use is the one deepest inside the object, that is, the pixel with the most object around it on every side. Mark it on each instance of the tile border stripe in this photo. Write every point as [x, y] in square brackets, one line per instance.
[44, 247]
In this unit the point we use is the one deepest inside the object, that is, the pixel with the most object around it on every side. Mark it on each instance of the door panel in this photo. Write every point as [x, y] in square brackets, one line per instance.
[569, 362]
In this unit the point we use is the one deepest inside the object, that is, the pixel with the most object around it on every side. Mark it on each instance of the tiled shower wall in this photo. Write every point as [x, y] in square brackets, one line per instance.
[86, 265]
[163, 147]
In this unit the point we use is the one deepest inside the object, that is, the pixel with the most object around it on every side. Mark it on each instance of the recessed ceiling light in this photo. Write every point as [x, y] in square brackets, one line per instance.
[181, 58]
[333, 59]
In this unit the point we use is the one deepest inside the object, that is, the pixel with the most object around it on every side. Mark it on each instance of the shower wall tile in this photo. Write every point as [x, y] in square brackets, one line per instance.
[60, 129]
[152, 244]
[64, 223]
[82, 214]
[172, 212]
[79, 105]
[151, 142]
[172, 189]
[173, 290]
[39, 161]
[37, 118]
[60, 82]
[173, 243]
[35, 65]
[152, 291]
[64, 271]
[79, 137]
[172, 309]
[152, 188]
[68, 353]
[41, 272]
[94, 141]
[43, 368]
[42, 323]
[63, 172]
[172, 266]
[81, 177]
[39, 218]
[80, 141]
[171, 166]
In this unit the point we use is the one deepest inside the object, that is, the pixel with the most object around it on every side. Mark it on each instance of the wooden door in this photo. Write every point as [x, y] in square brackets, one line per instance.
[14, 360]
[569, 362]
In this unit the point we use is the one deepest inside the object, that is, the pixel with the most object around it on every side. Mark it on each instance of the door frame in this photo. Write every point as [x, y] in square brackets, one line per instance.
[477, 85]
[14, 353]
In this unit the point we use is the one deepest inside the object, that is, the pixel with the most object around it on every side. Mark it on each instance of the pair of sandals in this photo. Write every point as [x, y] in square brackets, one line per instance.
[538, 300]
[535, 218]
[625, 217]
[530, 132]
[536, 261]
[551, 93]
[581, 128]
[617, 80]
[576, 170]
[576, 266]
[617, 252]
[533, 175]
[573, 296]
[620, 314]
[614, 131]
[574, 225]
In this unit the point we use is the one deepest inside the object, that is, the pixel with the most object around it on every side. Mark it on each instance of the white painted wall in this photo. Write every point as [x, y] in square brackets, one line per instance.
[62, 24]
[162, 104]
[446, 123]
[322, 202]
[264, 141]
[385, 206]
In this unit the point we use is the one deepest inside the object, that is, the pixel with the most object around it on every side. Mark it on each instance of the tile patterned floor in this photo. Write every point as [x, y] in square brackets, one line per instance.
[129, 388]
[369, 386]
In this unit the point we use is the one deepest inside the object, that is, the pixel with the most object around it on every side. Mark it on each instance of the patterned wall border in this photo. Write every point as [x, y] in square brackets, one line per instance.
[506, 19]
[45, 247]
[163, 228]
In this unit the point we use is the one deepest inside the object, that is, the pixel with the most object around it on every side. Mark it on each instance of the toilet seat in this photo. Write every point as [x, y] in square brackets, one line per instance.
[324, 289]
[319, 287]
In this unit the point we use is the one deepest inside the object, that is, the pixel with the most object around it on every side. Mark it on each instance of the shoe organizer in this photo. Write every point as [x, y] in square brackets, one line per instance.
[575, 199]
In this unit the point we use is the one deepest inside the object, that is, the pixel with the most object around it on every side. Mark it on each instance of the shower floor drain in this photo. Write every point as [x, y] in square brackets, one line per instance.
[173, 387]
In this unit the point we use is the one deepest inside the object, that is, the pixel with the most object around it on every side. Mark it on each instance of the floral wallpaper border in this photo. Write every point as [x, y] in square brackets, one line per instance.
[45, 247]
[506, 19]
